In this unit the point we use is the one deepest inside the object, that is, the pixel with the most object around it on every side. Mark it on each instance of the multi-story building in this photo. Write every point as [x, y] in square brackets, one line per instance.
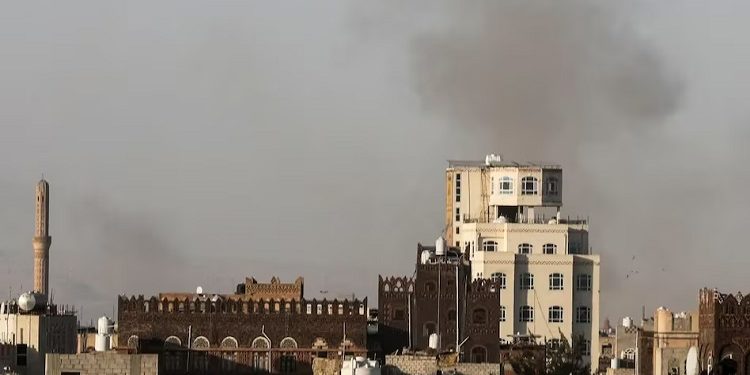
[724, 332]
[440, 299]
[506, 217]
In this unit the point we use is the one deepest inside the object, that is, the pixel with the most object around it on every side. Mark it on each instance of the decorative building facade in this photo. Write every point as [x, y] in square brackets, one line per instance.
[234, 334]
[440, 299]
[506, 218]
[724, 338]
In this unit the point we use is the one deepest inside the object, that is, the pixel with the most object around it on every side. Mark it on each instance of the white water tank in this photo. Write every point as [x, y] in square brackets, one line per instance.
[440, 246]
[433, 341]
[425, 257]
[101, 343]
[614, 363]
[104, 326]
[360, 366]
[627, 322]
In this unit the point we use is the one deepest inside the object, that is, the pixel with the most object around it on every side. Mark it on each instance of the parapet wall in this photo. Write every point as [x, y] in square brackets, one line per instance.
[102, 363]
[428, 365]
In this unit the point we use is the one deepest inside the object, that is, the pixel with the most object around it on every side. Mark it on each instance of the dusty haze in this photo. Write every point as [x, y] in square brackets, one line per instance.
[189, 144]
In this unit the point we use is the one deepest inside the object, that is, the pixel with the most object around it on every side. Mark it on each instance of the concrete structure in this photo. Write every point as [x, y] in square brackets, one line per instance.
[32, 335]
[109, 363]
[673, 336]
[42, 239]
[506, 217]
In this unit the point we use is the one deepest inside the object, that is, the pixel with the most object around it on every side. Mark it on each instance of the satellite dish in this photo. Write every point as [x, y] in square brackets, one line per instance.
[691, 366]
[199, 290]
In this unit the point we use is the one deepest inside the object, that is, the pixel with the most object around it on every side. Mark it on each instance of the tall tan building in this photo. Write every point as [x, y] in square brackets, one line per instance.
[42, 239]
[507, 219]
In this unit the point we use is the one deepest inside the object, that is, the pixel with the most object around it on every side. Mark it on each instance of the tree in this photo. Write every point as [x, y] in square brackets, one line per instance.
[565, 359]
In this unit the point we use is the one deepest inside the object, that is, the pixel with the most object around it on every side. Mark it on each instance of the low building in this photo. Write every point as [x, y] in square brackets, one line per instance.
[674, 335]
[27, 335]
[218, 333]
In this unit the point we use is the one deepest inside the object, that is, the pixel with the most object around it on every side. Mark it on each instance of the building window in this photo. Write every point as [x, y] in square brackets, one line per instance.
[429, 287]
[172, 342]
[585, 347]
[458, 187]
[428, 329]
[492, 186]
[399, 314]
[506, 185]
[478, 354]
[555, 314]
[549, 248]
[501, 313]
[458, 230]
[527, 281]
[458, 214]
[500, 278]
[525, 248]
[489, 245]
[556, 281]
[479, 316]
[583, 282]
[552, 186]
[628, 354]
[529, 185]
[583, 314]
[526, 314]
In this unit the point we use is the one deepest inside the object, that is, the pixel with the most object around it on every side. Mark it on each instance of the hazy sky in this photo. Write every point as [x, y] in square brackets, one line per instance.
[194, 143]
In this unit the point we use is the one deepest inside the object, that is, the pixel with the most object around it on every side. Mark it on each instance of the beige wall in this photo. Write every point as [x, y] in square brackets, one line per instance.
[42, 333]
[674, 335]
[103, 363]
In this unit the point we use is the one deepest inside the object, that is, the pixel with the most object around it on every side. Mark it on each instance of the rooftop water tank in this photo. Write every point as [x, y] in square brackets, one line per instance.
[104, 326]
[627, 322]
[425, 257]
[440, 246]
[433, 341]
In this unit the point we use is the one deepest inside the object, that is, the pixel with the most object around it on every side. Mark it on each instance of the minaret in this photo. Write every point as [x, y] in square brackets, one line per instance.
[42, 239]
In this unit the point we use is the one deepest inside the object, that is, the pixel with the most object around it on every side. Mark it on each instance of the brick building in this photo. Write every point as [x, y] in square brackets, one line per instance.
[237, 334]
[724, 333]
[442, 299]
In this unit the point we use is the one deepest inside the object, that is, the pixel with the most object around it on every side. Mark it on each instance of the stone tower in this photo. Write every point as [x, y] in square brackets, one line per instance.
[42, 239]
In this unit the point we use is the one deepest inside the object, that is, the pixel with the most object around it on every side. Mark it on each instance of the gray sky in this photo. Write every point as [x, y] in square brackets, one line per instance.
[189, 143]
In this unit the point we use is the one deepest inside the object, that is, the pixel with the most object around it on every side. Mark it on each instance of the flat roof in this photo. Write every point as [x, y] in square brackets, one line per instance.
[513, 164]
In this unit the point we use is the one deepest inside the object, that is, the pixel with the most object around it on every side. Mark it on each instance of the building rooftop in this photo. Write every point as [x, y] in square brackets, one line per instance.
[500, 163]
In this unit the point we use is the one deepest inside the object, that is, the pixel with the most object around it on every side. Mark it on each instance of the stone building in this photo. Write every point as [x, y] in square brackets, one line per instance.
[674, 335]
[441, 298]
[506, 218]
[724, 332]
[226, 333]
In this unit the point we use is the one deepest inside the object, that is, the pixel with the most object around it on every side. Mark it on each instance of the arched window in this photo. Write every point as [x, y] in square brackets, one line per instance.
[288, 343]
[501, 313]
[500, 278]
[133, 342]
[479, 354]
[549, 248]
[552, 186]
[556, 314]
[479, 316]
[628, 354]
[556, 281]
[529, 185]
[525, 248]
[526, 314]
[428, 329]
[288, 362]
[261, 342]
[489, 245]
[172, 342]
[583, 314]
[527, 281]
[229, 358]
[506, 185]
[201, 342]
[260, 358]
